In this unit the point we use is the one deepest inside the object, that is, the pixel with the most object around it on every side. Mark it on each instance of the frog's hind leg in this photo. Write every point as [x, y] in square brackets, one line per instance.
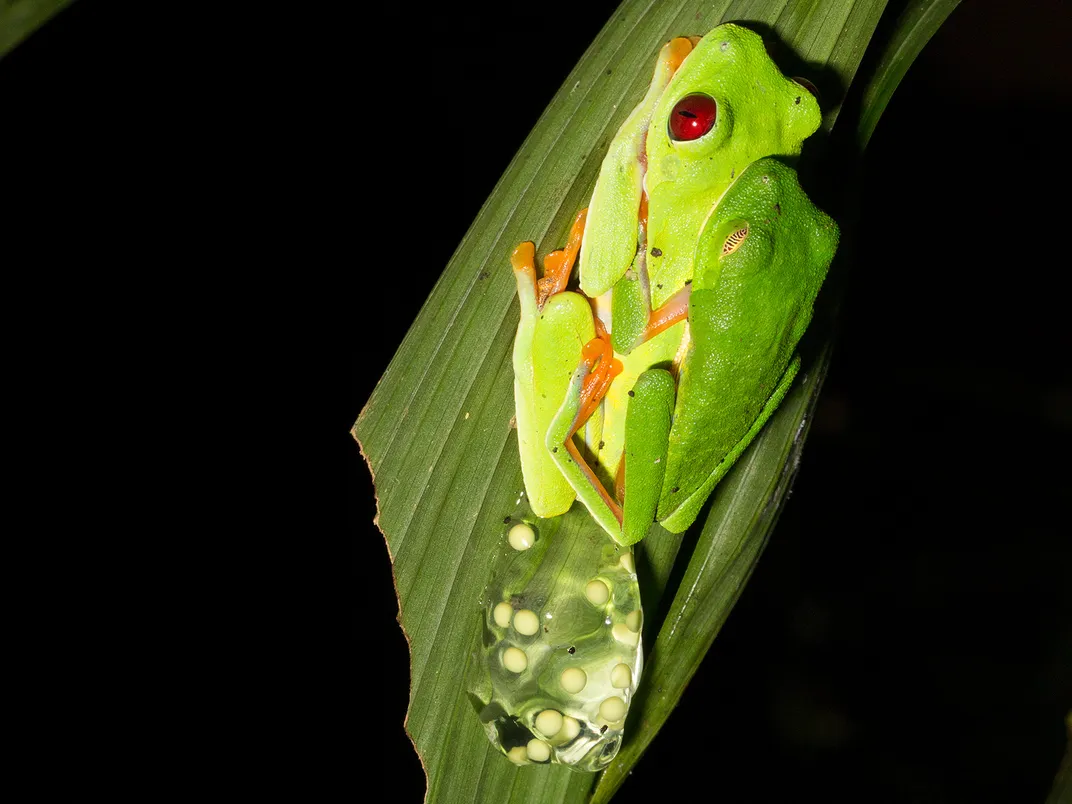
[647, 439]
[627, 517]
[683, 515]
[558, 265]
[586, 389]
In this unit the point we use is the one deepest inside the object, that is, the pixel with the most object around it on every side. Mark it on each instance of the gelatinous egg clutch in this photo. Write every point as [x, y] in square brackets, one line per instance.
[560, 654]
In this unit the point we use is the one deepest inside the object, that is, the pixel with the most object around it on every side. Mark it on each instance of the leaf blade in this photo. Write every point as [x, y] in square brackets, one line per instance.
[440, 415]
[20, 18]
[915, 27]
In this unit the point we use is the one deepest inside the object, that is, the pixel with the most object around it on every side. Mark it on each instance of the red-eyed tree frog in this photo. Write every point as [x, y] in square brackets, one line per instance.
[700, 260]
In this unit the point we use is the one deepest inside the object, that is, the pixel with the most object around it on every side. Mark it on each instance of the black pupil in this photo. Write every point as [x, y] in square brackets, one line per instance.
[686, 113]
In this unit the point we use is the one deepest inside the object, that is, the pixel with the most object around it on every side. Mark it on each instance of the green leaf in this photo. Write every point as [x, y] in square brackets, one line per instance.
[436, 432]
[916, 25]
[20, 18]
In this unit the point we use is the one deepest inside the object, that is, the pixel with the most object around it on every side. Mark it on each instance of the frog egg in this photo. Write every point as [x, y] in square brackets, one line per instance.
[526, 622]
[627, 561]
[597, 592]
[518, 755]
[621, 677]
[571, 727]
[515, 660]
[625, 635]
[502, 614]
[538, 750]
[633, 621]
[612, 709]
[573, 680]
[522, 536]
[549, 722]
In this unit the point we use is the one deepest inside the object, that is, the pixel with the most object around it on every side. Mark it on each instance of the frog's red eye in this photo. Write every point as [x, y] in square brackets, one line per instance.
[692, 117]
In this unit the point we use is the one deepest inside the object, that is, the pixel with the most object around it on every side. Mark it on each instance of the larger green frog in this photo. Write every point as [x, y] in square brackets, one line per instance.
[700, 259]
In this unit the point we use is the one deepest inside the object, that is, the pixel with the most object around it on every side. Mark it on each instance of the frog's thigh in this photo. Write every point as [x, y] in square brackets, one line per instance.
[564, 324]
[685, 514]
[647, 434]
[572, 465]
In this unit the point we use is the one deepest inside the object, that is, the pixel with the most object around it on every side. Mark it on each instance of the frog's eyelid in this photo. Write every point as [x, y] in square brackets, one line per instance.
[733, 242]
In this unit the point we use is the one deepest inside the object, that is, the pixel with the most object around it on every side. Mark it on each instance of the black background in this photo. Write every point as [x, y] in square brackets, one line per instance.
[907, 635]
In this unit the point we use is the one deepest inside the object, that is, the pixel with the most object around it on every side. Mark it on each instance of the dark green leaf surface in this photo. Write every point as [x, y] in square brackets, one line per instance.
[20, 18]
[915, 27]
[437, 434]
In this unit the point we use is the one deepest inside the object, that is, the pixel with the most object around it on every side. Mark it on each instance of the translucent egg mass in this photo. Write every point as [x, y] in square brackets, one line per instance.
[560, 654]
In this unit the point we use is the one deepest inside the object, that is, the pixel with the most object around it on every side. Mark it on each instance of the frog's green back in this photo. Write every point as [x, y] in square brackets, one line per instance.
[748, 309]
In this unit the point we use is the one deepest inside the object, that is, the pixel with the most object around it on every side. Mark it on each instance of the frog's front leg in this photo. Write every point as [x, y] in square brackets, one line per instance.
[635, 322]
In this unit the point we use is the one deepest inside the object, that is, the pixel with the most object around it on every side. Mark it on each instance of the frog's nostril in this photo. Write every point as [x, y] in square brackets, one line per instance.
[808, 85]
